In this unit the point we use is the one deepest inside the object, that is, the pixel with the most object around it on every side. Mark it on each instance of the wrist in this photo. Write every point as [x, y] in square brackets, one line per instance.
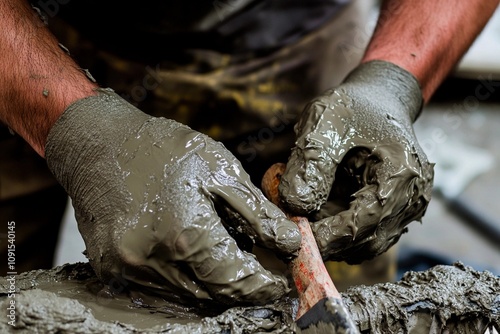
[418, 69]
[427, 38]
[92, 132]
[38, 80]
[388, 83]
[96, 121]
[88, 133]
[41, 104]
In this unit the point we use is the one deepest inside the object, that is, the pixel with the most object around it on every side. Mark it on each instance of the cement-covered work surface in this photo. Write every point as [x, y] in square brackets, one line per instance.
[71, 299]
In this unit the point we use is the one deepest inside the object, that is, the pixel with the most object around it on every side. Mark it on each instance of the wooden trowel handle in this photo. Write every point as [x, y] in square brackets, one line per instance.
[308, 270]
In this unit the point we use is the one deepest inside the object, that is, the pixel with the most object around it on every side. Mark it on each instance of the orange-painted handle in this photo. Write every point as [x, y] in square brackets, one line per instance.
[308, 270]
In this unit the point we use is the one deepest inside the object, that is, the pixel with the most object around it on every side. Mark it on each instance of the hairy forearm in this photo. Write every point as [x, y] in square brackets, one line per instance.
[427, 37]
[38, 80]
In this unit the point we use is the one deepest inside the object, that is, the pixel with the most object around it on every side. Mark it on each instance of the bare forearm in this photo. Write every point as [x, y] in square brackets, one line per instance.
[38, 80]
[427, 37]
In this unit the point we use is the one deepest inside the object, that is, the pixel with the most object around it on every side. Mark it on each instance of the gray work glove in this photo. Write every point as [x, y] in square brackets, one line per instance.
[145, 192]
[357, 167]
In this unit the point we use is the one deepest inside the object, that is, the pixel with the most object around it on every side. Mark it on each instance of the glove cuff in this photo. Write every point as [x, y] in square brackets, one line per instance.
[89, 131]
[394, 80]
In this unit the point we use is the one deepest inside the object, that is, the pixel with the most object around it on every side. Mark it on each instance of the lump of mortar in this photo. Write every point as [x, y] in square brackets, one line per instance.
[444, 299]
[71, 299]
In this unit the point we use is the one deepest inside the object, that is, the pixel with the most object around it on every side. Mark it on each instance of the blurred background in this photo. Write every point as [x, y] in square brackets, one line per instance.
[459, 131]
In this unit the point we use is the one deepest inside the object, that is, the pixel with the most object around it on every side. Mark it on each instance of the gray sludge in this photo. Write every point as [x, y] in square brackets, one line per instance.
[70, 299]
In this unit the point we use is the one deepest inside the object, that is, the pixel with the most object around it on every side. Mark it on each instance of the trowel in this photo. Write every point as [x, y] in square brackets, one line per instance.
[321, 309]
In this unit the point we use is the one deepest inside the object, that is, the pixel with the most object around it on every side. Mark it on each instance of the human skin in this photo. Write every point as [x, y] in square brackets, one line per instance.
[31, 64]
[427, 38]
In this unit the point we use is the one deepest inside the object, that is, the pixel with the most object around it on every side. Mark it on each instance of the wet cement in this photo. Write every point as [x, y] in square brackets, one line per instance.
[72, 299]
[444, 299]
[357, 169]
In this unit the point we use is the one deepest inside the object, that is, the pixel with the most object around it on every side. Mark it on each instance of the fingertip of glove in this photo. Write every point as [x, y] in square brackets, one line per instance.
[274, 289]
[297, 196]
[288, 237]
[304, 186]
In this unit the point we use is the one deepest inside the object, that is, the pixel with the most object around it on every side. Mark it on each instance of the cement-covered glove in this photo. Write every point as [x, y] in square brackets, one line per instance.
[146, 191]
[357, 167]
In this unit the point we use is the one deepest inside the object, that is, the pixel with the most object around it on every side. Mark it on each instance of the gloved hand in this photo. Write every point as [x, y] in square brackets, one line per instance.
[357, 167]
[145, 192]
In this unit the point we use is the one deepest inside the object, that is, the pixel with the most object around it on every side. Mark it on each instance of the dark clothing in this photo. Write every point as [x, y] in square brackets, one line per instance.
[156, 30]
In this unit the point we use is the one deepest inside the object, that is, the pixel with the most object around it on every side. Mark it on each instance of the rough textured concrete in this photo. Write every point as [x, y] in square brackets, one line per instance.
[71, 299]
